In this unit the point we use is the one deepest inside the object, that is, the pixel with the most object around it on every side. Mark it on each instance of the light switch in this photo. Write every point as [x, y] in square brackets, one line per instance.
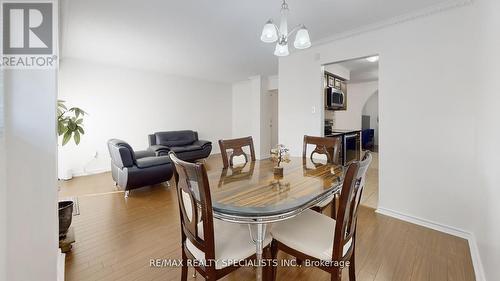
[313, 109]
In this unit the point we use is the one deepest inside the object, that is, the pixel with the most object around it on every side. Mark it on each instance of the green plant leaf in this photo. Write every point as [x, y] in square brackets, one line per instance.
[66, 137]
[80, 129]
[76, 137]
[61, 129]
[61, 105]
[79, 121]
[71, 125]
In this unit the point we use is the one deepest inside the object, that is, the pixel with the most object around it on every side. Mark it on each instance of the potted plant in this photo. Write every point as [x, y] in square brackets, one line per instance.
[69, 126]
[279, 154]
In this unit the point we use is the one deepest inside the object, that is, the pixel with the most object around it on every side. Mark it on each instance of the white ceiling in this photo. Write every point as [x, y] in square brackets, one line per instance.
[361, 70]
[210, 39]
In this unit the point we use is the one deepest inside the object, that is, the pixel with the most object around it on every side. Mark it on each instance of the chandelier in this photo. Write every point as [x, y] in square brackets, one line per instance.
[271, 33]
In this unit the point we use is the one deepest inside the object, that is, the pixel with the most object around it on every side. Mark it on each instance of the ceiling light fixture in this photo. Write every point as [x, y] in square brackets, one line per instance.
[372, 59]
[271, 33]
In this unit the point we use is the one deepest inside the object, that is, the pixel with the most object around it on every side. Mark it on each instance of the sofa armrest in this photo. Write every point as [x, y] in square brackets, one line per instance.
[147, 162]
[144, 153]
[202, 143]
[159, 149]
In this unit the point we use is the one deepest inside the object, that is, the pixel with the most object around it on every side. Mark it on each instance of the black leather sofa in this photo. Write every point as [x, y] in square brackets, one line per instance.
[133, 169]
[185, 144]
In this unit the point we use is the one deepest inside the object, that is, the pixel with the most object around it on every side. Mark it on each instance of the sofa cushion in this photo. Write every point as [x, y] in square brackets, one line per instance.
[178, 149]
[175, 138]
[147, 162]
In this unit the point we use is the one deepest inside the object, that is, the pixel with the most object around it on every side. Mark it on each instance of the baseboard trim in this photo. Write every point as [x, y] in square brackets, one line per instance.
[470, 237]
[91, 172]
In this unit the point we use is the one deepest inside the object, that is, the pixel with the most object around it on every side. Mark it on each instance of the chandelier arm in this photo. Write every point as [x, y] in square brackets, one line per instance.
[295, 29]
[277, 30]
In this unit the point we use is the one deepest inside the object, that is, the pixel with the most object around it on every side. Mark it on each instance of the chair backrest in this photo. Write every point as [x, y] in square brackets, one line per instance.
[173, 138]
[236, 145]
[350, 197]
[195, 205]
[327, 146]
[121, 153]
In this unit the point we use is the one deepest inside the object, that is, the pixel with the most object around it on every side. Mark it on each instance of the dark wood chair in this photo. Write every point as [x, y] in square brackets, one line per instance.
[319, 238]
[236, 145]
[330, 147]
[204, 239]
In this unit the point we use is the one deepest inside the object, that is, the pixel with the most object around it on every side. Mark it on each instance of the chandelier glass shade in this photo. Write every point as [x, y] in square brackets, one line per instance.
[271, 33]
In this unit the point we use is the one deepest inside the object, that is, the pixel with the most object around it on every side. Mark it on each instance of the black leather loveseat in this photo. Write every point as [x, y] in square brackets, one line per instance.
[185, 144]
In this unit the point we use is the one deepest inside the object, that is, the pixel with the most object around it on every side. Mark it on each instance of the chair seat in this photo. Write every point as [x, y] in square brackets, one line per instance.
[325, 202]
[310, 233]
[232, 242]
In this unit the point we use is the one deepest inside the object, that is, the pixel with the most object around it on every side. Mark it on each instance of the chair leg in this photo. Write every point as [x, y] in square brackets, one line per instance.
[352, 268]
[127, 192]
[334, 208]
[274, 256]
[268, 268]
[336, 274]
[184, 270]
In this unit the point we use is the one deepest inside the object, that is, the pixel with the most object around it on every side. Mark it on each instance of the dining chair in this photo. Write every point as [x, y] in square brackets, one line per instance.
[236, 145]
[330, 147]
[204, 239]
[324, 145]
[329, 243]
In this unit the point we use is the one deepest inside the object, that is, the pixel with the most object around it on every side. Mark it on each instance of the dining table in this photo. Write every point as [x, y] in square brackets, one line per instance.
[253, 194]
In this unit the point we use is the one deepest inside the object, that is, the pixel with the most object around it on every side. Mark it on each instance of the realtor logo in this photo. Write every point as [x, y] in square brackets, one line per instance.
[27, 28]
[28, 35]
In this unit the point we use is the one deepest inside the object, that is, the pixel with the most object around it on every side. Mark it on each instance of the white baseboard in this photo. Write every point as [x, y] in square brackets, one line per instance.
[470, 237]
[91, 172]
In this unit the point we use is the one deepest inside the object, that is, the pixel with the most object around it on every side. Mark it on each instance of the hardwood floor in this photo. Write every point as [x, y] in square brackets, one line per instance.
[117, 237]
[370, 193]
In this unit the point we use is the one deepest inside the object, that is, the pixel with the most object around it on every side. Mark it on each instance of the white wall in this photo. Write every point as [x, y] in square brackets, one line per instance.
[252, 112]
[357, 96]
[3, 188]
[30, 176]
[371, 109]
[427, 121]
[486, 225]
[130, 104]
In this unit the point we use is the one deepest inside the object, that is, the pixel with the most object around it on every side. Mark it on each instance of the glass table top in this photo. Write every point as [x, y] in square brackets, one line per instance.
[252, 189]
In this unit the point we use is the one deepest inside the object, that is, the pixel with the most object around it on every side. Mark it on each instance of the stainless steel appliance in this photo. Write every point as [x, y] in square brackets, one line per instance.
[328, 127]
[351, 145]
[335, 98]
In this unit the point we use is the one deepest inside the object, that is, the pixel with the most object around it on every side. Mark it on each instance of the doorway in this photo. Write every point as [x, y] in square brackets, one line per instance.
[356, 82]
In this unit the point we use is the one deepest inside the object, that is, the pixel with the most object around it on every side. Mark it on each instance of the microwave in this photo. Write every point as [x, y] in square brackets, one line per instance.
[334, 99]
